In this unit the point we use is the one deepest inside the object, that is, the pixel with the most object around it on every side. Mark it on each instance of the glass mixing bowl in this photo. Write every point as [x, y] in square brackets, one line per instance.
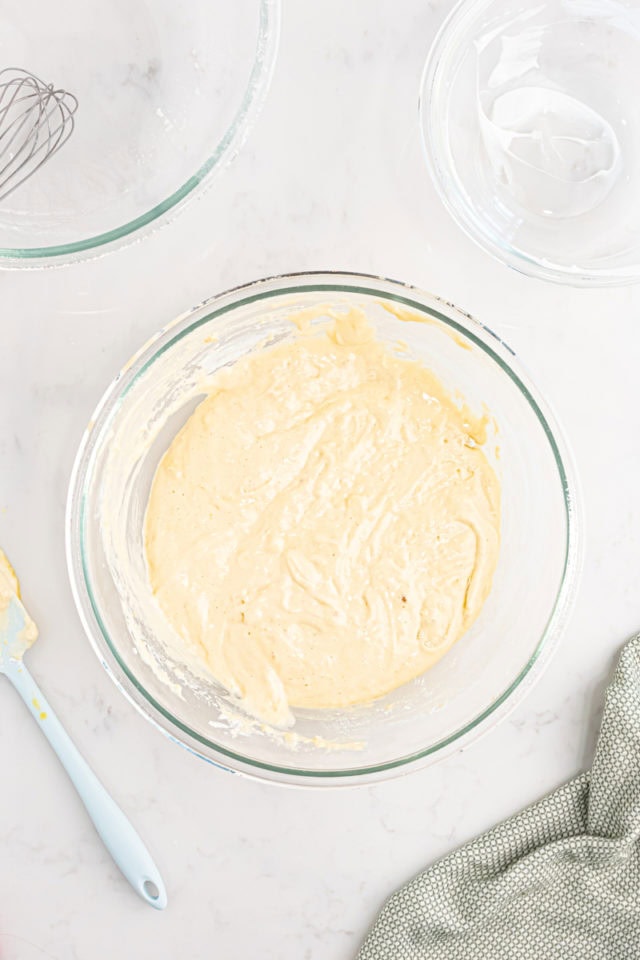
[486, 672]
[532, 133]
[166, 94]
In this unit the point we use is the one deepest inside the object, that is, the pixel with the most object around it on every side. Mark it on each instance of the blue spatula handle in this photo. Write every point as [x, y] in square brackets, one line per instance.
[118, 835]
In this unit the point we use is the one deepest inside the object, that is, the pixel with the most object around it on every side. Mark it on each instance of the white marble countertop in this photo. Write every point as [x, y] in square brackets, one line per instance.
[331, 177]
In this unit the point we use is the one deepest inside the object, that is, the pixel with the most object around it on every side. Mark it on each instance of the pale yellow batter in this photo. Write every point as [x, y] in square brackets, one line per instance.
[326, 525]
[10, 588]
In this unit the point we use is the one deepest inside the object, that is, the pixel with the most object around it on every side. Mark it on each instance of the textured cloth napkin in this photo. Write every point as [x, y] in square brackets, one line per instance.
[559, 881]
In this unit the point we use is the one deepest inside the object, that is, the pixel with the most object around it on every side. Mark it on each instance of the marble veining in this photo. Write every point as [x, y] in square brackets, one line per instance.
[331, 177]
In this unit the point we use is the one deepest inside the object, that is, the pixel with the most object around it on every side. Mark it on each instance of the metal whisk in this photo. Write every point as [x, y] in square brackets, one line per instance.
[35, 121]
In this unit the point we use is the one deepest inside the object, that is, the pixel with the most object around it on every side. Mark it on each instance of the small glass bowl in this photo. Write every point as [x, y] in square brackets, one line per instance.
[488, 670]
[532, 134]
[166, 95]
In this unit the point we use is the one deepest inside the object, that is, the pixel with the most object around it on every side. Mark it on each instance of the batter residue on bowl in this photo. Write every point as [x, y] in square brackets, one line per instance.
[325, 525]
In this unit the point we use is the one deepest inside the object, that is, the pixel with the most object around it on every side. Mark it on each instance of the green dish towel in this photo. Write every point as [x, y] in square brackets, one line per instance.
[559, 881]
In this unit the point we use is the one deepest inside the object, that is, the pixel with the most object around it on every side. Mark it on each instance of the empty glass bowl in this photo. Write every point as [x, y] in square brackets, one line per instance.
[484, 674]
[166, 93]
[532, 133]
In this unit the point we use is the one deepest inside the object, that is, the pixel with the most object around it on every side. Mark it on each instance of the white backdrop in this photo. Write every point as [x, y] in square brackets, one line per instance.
[332, 177]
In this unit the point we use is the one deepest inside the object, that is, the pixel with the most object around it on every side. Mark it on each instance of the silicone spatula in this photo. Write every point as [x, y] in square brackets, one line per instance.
[17, 633]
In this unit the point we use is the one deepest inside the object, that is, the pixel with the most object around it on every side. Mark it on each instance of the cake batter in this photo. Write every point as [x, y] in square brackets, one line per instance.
[325, 526]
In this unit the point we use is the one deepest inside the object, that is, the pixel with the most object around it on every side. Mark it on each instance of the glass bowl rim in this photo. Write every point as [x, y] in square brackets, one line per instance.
[225, 150]
[295, 283]
[443, 170]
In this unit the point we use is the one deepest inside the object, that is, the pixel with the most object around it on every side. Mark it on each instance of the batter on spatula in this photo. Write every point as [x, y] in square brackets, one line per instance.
[325, 525]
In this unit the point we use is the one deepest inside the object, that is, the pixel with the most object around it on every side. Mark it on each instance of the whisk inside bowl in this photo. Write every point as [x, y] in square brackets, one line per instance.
[35, 121]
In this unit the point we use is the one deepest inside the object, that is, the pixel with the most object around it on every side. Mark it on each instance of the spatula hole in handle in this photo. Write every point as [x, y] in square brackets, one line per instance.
[150, 890]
